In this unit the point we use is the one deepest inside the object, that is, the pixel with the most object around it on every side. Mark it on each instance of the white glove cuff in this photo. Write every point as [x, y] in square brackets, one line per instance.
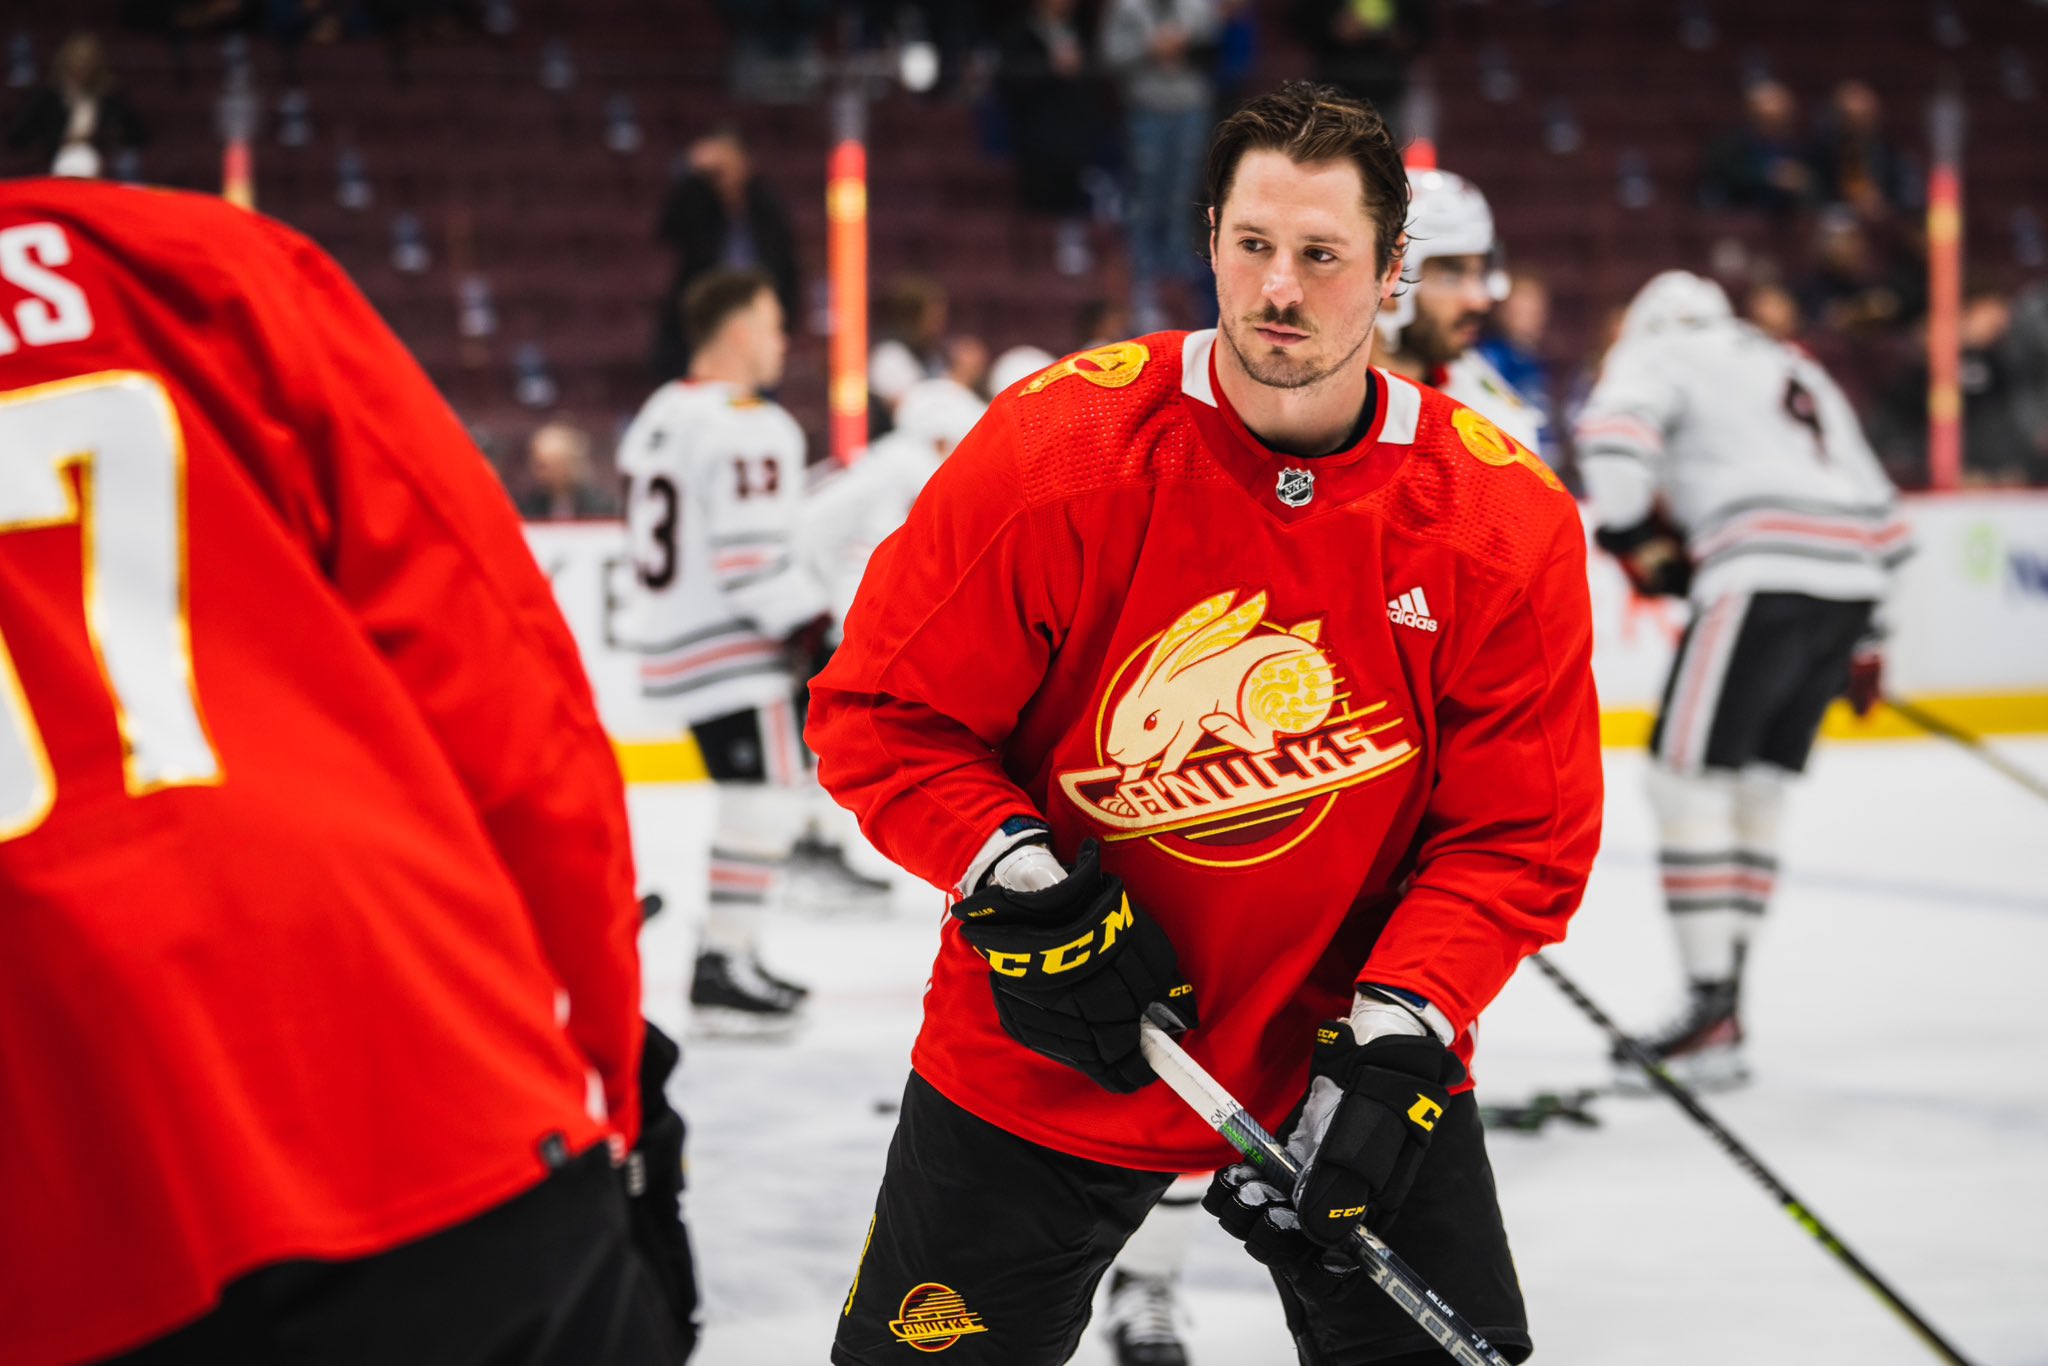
[1374, 1016]
[1015, 833]
[1027, 868]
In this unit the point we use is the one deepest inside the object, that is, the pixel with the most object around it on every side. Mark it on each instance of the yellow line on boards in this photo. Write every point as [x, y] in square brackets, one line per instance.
[1978, 713]
[661, 761]
[679, 761]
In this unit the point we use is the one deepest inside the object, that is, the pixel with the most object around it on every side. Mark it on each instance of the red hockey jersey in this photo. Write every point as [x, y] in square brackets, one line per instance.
[1332, 720]
[317, 927]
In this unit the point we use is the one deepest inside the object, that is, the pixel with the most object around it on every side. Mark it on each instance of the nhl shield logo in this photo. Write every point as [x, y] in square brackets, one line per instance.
[1295, 487]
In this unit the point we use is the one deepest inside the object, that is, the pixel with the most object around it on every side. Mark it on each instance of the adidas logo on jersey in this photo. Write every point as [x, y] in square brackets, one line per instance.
[1411, 609]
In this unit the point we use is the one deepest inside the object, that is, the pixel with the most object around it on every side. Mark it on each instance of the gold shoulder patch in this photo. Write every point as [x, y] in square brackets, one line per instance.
[1107, 367]
[1495, 447]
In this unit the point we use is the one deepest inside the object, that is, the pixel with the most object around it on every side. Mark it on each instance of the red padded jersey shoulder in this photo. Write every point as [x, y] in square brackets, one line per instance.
[1102, 418]
[1474, 489]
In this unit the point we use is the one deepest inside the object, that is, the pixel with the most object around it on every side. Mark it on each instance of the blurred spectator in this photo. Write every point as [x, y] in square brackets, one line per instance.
[967, 362]
[1161, 52]
[1237, 51]
[775, 48]
[1860, 281]
[1999, 449]
[910, 338]
[1774, 311]
[1761, 165]
[81, 123]
[1853, 162]
[775, 28]
[1100, 322]
[1055, 121]
[561, 486]
[721, 216]
[2026, 344]
[1364, 47]
[1514, 342]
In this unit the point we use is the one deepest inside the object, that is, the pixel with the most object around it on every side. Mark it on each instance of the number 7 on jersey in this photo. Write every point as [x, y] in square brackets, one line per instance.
[121, 433]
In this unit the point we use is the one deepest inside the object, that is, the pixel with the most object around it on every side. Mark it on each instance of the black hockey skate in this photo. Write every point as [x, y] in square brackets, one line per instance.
[733, 997]
[817, 878]
[1703, 1048]
[1140, 1321]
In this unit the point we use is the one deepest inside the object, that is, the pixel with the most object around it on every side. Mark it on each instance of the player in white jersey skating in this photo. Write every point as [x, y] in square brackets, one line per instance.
[1713, 454]
[847, 512]
[853, 510]
[1451, 269]
[722, 606]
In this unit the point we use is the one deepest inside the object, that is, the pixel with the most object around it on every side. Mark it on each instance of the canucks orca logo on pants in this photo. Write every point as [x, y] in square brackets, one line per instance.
[934, 1317]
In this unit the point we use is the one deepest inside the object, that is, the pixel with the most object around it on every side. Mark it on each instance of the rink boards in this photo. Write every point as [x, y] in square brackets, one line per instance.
[1970, 630]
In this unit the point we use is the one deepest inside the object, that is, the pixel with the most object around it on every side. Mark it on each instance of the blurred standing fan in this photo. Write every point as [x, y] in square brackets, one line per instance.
[21, 62]
[1561, 132]
[532, 385]
[1634, 188]
[352, 188]
[1696, 26]
[476, 316]
[2015, 78]
[294, 119]
[1498, 82]
[409, 254]
[622, 132]
[557, 69]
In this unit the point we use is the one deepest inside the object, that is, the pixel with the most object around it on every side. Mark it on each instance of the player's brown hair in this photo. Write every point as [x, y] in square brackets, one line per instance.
[1309, 123]
[713, 298]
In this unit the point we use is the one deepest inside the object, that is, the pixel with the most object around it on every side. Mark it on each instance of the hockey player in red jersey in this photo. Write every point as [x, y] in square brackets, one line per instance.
[1224, 672]
[319, 1002]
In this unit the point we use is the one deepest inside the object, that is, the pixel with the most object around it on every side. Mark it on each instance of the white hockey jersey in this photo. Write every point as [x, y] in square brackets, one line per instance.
[1472, 380]
[1760, 458]
[850, 512]
[715, 485]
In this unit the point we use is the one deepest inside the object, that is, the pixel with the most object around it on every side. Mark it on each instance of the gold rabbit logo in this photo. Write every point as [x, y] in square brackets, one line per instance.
[1210, 675]
[1230, 730]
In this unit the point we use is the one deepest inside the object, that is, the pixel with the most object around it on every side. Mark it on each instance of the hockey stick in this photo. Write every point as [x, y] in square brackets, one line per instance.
[1207, 1098]
[1745, 1159]
[1934, 725]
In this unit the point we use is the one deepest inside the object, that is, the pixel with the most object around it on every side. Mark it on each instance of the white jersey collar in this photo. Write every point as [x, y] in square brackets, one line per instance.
[1403, 399]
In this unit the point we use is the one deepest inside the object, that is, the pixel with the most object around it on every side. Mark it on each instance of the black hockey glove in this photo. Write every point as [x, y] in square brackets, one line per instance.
[654, 1189]
[1652, 554]
[1365, 1126]
[1256, 1213]
[1074, 966]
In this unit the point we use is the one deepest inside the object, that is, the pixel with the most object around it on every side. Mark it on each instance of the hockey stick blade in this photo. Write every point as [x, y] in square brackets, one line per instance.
[1207, 1098]
[1678, 1091]
[1532, 1115]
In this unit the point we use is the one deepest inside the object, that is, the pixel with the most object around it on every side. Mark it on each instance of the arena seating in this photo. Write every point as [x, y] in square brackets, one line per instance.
[512, 183]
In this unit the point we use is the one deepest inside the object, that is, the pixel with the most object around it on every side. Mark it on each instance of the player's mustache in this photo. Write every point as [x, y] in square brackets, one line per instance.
[1274, 317]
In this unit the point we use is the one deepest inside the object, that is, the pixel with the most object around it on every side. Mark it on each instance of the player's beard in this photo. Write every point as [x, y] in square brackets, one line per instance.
[1434, 344]
[1277, 368]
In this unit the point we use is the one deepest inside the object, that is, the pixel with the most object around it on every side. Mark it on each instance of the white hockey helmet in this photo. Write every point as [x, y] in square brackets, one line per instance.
[1019, 362]
[940, 411]
[1675, 298]
[1447, 216]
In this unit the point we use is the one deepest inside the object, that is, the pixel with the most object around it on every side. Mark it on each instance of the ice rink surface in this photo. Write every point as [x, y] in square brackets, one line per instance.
[1898, 1025]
